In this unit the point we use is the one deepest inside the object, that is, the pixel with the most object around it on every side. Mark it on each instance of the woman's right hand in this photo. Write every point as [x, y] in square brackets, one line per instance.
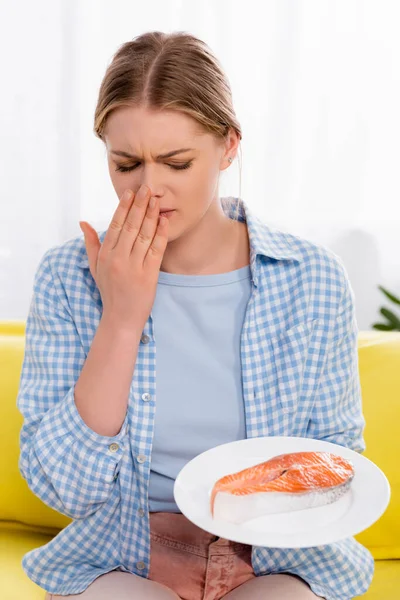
[126, 265]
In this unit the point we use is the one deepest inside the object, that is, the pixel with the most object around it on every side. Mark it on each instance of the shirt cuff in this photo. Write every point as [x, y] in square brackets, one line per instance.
[64, 419]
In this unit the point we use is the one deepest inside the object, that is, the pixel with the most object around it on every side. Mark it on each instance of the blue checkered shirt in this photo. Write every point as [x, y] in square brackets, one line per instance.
[300, 377]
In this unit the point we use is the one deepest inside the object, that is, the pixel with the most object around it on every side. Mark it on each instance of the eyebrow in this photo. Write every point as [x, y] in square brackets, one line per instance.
[167, 155]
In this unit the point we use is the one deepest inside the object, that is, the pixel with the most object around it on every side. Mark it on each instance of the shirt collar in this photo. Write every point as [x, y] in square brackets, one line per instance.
[263, 240]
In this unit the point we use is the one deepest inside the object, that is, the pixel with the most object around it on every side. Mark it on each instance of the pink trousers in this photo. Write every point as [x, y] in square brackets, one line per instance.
[188, 563]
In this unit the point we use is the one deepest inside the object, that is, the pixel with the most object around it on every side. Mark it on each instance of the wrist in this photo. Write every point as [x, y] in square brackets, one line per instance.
[116, 326]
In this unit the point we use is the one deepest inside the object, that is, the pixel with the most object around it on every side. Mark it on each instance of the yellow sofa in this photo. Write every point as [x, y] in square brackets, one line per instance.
[26, 523]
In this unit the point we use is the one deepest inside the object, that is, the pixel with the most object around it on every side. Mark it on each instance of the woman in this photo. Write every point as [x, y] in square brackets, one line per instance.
[228, 328]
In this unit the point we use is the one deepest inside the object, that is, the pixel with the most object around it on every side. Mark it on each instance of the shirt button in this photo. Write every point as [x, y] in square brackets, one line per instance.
[146, 397]
[145, 339]
[113, 447]
[141, 565]
[141, 458]
[141, 512]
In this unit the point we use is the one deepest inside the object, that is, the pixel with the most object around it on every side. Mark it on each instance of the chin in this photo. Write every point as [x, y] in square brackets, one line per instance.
[173, 236]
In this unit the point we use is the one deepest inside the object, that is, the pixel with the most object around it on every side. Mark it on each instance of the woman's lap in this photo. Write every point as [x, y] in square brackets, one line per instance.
[127, 586]
[188, 563]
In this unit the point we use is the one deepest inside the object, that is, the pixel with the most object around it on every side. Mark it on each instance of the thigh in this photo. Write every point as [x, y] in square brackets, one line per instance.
[119, 585]
[271, 587]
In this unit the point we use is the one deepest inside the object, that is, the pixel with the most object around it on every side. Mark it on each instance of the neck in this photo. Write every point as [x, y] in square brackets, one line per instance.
[214, 245]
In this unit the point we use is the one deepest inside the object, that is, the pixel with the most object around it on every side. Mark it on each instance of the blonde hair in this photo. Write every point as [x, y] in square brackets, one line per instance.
[173, 71]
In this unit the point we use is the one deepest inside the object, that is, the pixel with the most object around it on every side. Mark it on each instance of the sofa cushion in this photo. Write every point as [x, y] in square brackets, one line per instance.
[14, 543]
[379, 367]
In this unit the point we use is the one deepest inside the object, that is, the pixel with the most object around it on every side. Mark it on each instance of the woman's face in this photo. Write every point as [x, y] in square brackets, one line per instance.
[186, 182]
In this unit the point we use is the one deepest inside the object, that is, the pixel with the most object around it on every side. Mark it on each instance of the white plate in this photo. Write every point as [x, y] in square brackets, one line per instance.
[359, 508]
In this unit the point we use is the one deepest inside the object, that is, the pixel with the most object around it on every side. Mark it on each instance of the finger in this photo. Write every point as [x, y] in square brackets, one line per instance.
[116, 224]
[92, 244]
[146, 234]
[134, 221]
[157, 248]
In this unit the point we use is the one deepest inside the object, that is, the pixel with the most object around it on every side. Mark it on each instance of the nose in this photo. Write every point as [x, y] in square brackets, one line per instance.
[151, 177]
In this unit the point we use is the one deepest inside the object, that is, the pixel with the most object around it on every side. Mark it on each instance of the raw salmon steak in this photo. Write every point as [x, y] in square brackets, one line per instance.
[283, 483]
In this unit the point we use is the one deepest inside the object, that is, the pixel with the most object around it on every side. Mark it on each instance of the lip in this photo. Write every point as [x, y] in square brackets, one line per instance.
[167, 214]
[166, 210]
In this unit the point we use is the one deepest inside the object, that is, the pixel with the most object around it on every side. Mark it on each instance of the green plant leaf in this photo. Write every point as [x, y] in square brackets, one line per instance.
[389, 295]
[382, 327]
[395, 321]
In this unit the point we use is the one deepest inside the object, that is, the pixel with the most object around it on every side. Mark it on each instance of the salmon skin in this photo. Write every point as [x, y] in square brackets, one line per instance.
[283, 483]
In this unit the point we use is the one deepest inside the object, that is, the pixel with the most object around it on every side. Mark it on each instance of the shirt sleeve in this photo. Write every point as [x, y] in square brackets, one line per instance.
[70, 467]
[337, 413]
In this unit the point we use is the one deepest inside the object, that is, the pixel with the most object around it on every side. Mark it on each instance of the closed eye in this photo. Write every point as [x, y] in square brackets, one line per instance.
[123, 169]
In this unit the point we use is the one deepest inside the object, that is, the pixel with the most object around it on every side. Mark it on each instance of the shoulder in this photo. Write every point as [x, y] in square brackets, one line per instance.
[298, 254]
[64, 259]
[306, 279]
[60, 273]
[315, 263]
